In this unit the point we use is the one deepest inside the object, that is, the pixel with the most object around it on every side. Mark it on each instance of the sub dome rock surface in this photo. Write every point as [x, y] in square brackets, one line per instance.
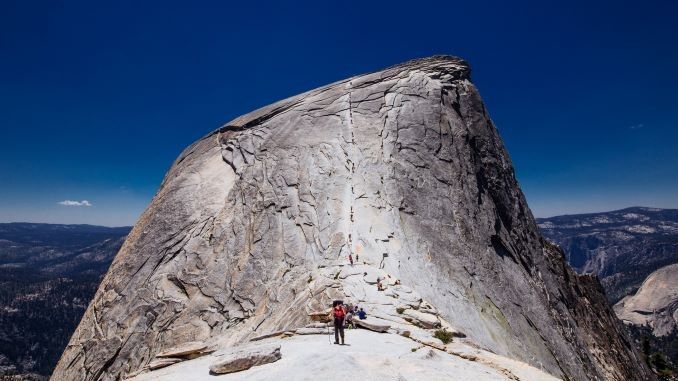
[401, 168]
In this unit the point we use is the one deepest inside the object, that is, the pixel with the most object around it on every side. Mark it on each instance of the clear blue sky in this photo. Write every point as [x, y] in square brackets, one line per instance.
[98, 98]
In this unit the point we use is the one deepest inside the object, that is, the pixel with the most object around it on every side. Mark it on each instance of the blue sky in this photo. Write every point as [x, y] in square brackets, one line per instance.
[98, 98]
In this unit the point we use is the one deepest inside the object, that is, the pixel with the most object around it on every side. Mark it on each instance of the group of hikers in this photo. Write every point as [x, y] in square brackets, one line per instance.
[380, 284]
[344, 317]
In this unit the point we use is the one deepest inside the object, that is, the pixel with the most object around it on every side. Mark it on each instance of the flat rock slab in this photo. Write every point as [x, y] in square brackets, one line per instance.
[246, 358]
[267, 335]
[163, 362]
[407, 296]
[422, 319]
[185, 349]
[372, 325]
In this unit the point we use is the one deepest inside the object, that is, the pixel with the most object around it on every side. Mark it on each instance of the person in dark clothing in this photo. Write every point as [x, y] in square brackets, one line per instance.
[362, 315]
[339, 314]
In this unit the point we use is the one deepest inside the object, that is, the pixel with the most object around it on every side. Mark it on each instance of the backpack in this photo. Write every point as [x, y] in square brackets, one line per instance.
[338, 313]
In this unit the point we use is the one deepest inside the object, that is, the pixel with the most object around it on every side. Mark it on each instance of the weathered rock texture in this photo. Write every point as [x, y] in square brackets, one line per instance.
[252, 225]
[245, 358]
[655, 304]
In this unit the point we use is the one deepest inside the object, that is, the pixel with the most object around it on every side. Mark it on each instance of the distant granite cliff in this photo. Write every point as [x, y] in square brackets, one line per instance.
[622, 247]
[634, 251]
[655, 304]
[403, 170]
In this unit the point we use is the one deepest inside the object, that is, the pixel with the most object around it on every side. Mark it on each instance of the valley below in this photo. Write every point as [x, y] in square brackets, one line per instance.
[634, 252]
[48, 275]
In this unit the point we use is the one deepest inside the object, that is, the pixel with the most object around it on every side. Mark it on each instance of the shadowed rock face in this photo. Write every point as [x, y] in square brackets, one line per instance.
[403, 162]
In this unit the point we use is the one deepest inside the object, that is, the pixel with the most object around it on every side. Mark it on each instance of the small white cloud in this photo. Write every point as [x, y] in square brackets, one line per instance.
[75, 203]
[637, 126]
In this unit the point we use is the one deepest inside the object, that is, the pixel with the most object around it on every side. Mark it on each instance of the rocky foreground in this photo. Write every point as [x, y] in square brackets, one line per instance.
[400, 323]
[402, 170]
[368, 356]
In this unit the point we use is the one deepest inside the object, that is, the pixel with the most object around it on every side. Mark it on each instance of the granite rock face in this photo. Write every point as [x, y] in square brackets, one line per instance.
[655, 303]
[404, 170]
[245, 358]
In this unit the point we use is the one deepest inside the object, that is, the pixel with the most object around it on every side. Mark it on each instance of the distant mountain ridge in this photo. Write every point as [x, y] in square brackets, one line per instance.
[48, 274]
[58, 234]
[627, 249]
[622, 247]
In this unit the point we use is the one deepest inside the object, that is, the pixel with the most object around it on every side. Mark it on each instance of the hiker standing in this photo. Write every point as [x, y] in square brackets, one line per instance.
[350, 259]
[339, 314]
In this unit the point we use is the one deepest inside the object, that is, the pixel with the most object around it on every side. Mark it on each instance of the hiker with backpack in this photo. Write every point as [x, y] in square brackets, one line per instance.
[339, 314]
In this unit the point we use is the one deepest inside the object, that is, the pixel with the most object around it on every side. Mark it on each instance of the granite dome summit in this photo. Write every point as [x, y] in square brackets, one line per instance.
[401, 168]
